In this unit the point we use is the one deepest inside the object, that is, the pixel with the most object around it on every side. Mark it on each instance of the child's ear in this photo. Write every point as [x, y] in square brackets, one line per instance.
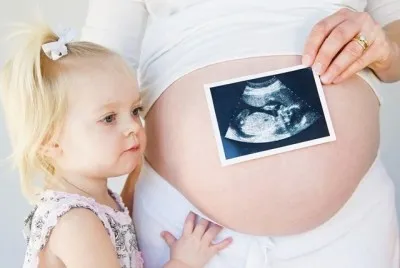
[52, 150]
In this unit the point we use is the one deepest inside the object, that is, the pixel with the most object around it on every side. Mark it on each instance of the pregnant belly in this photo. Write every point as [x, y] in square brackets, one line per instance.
[279, 194]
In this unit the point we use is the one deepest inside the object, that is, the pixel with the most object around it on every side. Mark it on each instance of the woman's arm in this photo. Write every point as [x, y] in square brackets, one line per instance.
[128, 191]
[118, 25]
[336, 56]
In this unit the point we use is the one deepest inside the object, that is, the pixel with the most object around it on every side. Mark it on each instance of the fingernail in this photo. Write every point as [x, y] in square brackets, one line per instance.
[326, 78]
[307, 60]
[317, 67]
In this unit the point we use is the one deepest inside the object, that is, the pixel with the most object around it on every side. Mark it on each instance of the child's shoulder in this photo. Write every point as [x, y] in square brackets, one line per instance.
[50, 208]
[63, 215]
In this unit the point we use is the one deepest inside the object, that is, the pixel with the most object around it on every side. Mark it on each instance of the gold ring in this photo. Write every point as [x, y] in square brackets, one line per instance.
[362, 41]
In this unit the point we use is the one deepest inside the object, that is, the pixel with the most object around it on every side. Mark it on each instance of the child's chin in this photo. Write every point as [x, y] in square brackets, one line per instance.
[125, 166]
[121, 172]
[128, 168]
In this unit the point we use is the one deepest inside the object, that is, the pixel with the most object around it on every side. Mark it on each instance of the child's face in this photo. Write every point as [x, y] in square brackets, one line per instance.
[102, 135]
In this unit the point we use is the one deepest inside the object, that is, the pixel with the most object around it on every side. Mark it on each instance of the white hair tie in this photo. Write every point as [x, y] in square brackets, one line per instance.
[57, 49]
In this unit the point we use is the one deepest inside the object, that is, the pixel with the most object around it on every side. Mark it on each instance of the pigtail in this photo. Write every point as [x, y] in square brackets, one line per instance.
[31, 102]
[33, 94]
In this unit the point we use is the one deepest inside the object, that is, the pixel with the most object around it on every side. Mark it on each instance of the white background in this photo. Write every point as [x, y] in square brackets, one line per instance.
[13, 207]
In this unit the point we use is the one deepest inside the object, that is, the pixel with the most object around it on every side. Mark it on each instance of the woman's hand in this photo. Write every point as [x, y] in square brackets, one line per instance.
[334, 54]
[195, 248]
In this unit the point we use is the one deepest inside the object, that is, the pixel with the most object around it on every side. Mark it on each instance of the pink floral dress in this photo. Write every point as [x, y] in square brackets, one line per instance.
[53, 205]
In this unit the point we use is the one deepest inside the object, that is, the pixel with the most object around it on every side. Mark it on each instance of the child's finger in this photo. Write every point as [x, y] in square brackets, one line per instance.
[200, 228]
[168, 238]
[211, 233]
[189, 224]
[222, 245]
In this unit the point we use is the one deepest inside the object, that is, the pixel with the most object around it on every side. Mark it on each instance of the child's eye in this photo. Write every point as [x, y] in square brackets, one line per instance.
[109, 119]
[137, 110]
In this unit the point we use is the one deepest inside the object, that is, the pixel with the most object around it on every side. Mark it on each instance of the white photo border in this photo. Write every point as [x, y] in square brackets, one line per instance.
[226, 162]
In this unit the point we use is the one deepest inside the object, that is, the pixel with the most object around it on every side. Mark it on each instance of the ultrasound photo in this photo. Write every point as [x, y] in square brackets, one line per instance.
[269, 113]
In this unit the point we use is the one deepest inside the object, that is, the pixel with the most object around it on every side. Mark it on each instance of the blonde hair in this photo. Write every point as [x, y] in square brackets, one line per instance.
[33, 97]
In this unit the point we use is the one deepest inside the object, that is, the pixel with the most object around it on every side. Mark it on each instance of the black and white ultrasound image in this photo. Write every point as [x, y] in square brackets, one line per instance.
[268, 112]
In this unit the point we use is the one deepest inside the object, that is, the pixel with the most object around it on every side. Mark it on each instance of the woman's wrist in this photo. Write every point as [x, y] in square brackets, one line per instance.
[388, 70]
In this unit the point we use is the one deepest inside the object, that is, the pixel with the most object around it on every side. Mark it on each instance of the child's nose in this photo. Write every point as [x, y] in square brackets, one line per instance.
[132, 128]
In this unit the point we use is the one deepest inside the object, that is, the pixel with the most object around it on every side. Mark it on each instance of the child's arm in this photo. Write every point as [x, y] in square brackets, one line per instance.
[80, 240]
[195, 248]
[129, 188]
[176, 264]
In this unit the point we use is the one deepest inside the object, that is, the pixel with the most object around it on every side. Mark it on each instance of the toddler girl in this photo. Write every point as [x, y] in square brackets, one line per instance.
[72, 111]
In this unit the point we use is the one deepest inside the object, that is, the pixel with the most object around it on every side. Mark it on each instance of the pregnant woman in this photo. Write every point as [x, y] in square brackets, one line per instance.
[330, 205]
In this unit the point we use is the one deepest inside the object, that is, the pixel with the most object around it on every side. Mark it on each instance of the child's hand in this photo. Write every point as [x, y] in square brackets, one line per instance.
[195, 248]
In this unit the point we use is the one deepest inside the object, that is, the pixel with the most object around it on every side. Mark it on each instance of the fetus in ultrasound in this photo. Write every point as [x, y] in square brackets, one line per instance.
[269, 111]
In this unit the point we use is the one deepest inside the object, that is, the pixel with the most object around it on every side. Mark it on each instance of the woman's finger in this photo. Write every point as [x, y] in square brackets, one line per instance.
[200, 228]
[222, 245]
[319, 32]
[366, 59]
[188, 226]
[168, 238]
[334, 43]
[211, 233]
[351, 53]
[377, 51]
